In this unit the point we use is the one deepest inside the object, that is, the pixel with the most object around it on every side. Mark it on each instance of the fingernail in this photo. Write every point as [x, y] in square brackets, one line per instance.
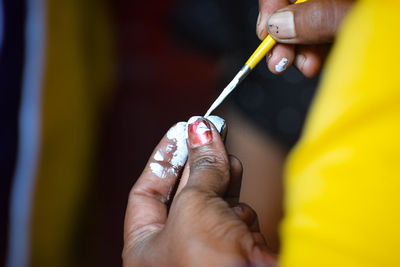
[282, 65]
[281, 25]
[299, 61]
[238, 210]
[199, 132]
[258, 19]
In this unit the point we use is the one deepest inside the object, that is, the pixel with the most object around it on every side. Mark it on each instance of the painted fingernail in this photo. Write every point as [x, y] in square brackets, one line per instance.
[282, 65]
[199, 131]
[281, 25]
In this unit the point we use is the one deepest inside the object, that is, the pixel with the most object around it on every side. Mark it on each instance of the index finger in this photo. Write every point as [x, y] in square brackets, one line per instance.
[150, 194]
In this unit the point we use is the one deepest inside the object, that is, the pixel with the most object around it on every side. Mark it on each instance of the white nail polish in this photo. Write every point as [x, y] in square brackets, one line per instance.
[282, 65]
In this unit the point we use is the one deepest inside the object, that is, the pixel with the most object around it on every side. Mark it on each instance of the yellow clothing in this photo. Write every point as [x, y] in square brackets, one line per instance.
[343, 178]
[76, 84]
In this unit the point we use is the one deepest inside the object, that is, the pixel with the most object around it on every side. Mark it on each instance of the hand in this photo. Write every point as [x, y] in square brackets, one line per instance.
[314, 23]
[204, 225]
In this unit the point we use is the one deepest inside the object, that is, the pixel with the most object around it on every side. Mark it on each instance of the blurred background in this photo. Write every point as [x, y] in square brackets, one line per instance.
[89, 87]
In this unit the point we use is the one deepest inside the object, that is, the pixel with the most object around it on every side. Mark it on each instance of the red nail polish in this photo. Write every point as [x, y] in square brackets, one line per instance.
[199, 132]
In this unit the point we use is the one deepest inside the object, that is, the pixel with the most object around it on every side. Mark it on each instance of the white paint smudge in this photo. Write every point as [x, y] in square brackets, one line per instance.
[178, 134]
[158, 156]
[158, 170]
[169, 148]
[217, 121]
[193, 119]
[281, 66]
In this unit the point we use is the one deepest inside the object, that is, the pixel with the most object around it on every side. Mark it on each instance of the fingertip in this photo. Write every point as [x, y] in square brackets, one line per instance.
[247, 215]
[235, 165]
[208, 161]
[218, 122]
[266, 8]
[261, 28]
[170, 155]
[308, 65]
[281, 58]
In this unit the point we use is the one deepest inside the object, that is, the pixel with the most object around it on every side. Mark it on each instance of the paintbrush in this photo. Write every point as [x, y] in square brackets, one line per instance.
[251, 63]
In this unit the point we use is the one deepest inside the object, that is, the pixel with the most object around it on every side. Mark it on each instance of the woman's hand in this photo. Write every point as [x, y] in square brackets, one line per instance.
[313, 23]
[204, 225]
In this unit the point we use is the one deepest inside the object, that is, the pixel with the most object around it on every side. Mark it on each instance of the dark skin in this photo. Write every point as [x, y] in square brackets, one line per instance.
[316, 23]
[204, 225]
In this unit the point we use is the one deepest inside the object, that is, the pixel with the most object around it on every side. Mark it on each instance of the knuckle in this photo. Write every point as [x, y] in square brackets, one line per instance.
[321, 19]
[214, 162]
[189, 193]
[317, 17]
[190, 197]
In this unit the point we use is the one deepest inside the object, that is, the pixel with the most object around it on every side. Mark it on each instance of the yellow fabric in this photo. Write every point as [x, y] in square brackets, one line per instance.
[343, 178]
[77, 78]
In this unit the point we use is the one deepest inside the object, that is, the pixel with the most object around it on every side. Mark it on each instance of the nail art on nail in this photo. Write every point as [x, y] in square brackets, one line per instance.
[199, 131]
[282, 65]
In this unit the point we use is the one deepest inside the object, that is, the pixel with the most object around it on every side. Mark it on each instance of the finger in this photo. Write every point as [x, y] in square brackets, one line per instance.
[220, 125]
[208, 160]
[259, 239]
[248, 216]
[309, 59]
[266, 8]
[312, 22]
[280, 59]
[262, 255]
[148, 197]
[233, 192]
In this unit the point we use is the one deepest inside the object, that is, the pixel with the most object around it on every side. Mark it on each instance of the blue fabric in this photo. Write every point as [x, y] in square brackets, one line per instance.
[29, 132]
[12, 31]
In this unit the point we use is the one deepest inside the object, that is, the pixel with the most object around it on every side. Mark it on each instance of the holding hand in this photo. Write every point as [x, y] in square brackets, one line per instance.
[314, 23]
[204, 225]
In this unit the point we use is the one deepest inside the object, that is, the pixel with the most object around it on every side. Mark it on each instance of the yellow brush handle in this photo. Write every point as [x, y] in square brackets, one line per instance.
[263, 48]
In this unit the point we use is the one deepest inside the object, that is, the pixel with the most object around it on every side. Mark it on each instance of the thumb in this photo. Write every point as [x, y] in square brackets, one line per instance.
[312, 22]
[207, 158]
